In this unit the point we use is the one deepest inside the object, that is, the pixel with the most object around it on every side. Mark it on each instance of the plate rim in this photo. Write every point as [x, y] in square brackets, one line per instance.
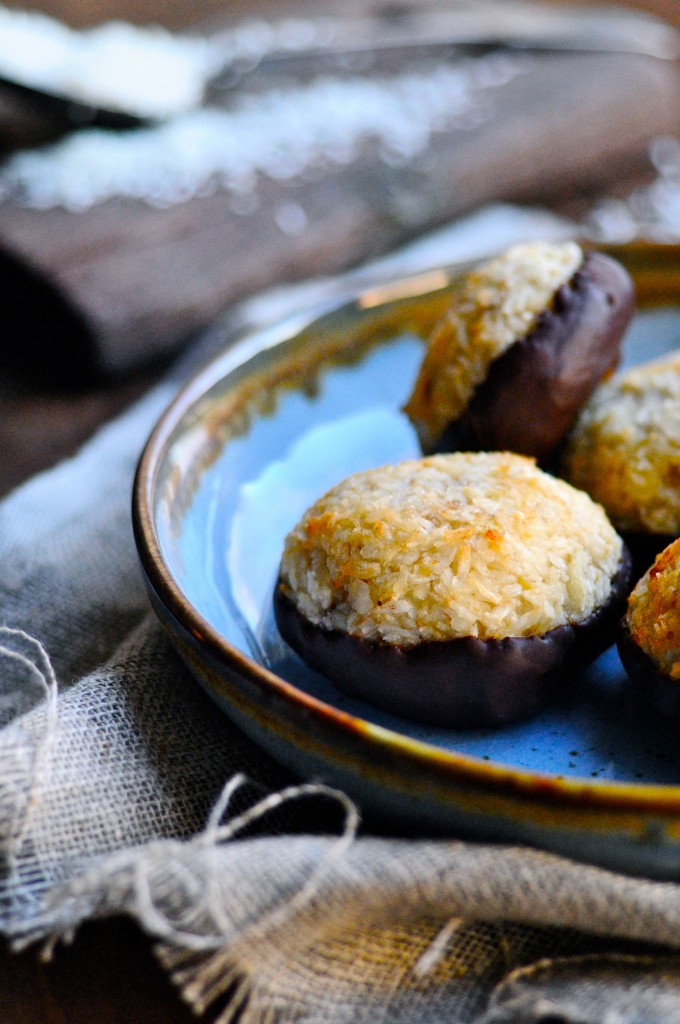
[578, 792]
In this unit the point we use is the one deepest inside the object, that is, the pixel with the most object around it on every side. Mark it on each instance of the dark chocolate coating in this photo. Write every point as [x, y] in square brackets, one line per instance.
[533, 391]
[461, 683]
[655, 688]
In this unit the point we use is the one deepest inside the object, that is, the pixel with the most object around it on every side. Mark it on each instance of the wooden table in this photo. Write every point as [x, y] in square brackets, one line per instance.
[108, 976]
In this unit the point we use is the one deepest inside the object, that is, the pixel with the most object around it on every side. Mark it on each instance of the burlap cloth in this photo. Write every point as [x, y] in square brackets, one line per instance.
[124, 790]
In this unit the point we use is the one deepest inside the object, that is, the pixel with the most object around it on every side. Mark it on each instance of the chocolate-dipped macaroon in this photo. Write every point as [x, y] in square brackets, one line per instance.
[624, 450]
[528, 337]
[455, 589]
[649, 640]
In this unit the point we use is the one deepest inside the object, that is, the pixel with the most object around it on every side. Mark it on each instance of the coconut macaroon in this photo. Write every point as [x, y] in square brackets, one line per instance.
[542, 322]
[625, 449]
[649, 641]
[450, 588]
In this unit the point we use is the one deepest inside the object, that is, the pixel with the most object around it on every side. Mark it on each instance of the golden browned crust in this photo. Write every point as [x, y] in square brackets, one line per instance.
[481, 544]
[653, 617]
[495, 306]
[625, 448]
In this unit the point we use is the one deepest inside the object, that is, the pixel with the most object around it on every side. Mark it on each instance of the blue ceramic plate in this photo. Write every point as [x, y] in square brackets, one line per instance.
[256, 437]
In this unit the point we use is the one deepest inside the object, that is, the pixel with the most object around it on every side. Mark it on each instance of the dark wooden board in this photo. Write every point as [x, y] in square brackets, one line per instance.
[110, 289]
[107, 976]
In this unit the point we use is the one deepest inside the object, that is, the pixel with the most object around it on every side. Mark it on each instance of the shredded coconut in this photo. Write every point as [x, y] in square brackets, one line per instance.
[146, 71]
[653, 616]
[279, 134]
[480, 544]
[495, 306]
[625, 447]
[651, 211]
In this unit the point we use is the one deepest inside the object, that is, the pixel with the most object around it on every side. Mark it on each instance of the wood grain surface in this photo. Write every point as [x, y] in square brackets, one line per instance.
[107, 976]
[183, 13]
[107, 290]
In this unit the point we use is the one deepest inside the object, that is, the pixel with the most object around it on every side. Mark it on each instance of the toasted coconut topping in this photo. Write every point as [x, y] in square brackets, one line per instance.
[481, 544]
[495, 306]
[653, 616]
[625, 448]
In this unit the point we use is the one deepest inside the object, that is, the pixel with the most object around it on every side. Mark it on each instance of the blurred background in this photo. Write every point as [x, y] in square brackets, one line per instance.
[161, 163]
[182, 13]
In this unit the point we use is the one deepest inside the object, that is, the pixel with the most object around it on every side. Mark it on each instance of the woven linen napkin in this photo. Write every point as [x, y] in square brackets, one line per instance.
[124, 790]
